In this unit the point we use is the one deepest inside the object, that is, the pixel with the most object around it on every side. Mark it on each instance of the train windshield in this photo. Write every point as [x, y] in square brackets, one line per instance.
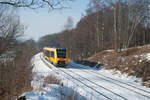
[61, 53]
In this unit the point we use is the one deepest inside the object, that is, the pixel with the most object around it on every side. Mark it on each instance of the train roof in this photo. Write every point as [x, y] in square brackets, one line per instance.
[47, 48]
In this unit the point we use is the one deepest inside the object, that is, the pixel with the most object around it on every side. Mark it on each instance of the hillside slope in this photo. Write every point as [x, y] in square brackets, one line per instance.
[133, 61]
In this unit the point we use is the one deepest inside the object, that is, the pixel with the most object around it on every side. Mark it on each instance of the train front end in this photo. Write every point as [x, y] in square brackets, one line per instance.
[62, 57]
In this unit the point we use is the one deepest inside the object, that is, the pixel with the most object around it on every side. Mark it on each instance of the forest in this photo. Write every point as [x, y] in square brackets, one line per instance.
[107, 24]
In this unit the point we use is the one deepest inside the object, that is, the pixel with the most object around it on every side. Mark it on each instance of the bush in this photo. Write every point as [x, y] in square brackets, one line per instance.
[130, 51]
[15, 76]
[51, 79]
[146, 74]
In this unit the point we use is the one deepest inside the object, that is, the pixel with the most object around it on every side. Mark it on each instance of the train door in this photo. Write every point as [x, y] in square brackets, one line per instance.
[52, 58]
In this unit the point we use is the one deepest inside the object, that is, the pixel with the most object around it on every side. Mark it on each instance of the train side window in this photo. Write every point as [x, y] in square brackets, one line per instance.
[52, 54]
[47, 53]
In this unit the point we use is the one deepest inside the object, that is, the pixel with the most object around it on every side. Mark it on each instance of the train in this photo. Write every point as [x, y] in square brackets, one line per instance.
[57, 56]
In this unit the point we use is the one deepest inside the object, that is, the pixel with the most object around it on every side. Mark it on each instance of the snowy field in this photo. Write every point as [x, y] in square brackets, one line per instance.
[83, 83]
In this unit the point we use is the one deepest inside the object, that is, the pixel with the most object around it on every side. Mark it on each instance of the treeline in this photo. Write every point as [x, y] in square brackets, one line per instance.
[108, 25]
[15, 56]
[48, 41]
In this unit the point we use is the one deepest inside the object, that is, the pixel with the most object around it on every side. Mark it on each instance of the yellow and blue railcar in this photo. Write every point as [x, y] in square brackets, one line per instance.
[57, 56]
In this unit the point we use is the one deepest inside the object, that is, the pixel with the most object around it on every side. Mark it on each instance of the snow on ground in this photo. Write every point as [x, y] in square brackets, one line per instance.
[40, 71]
[114, 74]
[131, 80]
[79, 90]
[50, 91]
[7, 57]
[148, 56]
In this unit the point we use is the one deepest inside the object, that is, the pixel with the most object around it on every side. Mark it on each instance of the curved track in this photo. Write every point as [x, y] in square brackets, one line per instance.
[139, 91]
[47, 64]
[135, 89]
[97, 87]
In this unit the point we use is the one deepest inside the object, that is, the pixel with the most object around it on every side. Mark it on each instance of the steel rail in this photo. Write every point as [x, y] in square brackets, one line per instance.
[98, 75]
[98, 85]
[79, 81]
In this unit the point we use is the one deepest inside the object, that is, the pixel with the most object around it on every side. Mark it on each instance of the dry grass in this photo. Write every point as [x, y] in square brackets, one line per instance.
[51, 79]
[131, 61]
[72, 95]
[146, 74]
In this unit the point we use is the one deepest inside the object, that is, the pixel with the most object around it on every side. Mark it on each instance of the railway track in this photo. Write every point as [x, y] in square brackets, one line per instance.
[134, 89]
[97, 87]
[54, 69]
[94, 72]
[87, 85]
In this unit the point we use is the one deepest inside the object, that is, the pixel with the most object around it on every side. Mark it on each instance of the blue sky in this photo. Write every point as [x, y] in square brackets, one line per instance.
[42, 22]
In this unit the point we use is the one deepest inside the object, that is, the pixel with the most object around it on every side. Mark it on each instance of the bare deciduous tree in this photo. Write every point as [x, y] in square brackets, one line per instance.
[10, 29]
[34, 4]
[115, 25]
[69, 24]
[137, 12]
[16, 69]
